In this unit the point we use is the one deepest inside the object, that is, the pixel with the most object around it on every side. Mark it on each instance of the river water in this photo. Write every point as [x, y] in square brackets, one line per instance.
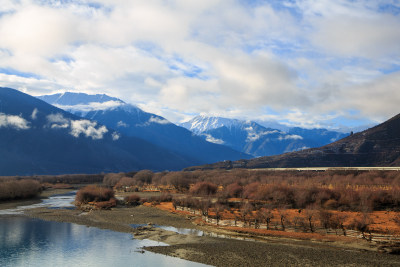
[32, 242]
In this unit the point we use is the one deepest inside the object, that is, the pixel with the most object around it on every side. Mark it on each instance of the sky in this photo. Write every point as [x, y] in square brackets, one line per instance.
[321, 63]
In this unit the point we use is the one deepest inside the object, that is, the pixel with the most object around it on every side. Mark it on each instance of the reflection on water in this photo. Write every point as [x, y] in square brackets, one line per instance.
[32, 242]
[62, 201]
[186, 231]
[182, 231]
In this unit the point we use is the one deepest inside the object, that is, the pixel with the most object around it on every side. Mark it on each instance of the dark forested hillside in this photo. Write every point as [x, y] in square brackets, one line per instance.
[37, 138]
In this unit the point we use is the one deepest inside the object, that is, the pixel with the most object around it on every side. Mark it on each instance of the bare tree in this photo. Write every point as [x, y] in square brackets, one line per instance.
[219, 209]
[362, 224]
[283, 218]
[265, 215]
[310, 214]
[245, 210]
[325, 217]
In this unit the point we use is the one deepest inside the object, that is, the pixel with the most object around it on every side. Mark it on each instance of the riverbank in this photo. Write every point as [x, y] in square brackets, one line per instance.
[12, 204]
[267, 251]
[219, 251]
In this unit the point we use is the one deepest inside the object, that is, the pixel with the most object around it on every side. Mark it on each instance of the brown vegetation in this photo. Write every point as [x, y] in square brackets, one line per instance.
[332, 190]
[132, 200]
[19, 189]
[92, 193]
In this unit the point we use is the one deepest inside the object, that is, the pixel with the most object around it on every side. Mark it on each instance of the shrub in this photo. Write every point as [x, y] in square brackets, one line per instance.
[362, 223]
[234, 190]
[165, 197]
[144, 176]
[250, 190]
[178, 179]
[19, 189]
[204, 188]
[106, 204]
[132, 200]
[92, 193]
[125, 182]
[111, 179]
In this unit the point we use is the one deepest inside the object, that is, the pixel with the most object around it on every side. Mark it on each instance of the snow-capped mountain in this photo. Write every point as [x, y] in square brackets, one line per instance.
[132, 121]
[38, 138]
[202, 123]
[69, 98]
[252, 138]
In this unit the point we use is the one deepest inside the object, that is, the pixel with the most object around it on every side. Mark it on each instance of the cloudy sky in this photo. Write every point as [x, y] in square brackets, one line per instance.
[309, 63]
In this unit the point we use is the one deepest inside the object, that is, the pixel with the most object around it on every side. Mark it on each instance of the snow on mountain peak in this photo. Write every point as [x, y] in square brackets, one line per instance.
[81, 104]
[204, 123]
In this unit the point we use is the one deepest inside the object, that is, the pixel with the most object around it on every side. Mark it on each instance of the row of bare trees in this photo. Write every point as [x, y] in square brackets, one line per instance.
[305, 220]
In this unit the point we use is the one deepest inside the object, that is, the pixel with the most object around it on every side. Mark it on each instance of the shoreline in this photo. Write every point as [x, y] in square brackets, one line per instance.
[265, 251]
[218, 251]
[12, 204]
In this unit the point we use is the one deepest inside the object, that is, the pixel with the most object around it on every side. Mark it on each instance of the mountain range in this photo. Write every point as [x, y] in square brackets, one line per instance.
[374, 147]
[256, 140]
[131, 121]
[248, 137]
[80, 133]
[38, 138]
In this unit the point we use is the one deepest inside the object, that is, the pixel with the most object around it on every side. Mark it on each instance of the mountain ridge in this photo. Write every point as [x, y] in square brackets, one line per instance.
[257, 140]
[378, 146]
[132, 121]
[38, 138]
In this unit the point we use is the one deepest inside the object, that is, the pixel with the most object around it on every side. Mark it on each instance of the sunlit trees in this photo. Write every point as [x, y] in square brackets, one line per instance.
[362, 223]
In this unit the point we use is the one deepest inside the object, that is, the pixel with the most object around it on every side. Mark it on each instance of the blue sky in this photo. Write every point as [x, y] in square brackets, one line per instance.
[306, 63]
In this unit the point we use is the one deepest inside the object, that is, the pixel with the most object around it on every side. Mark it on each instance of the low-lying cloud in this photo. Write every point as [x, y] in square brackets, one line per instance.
[158, 120]
[34, 114]
[214, 140]
[91, 106]
[13, 121]
[291, 137]
[88, 129]
[115, 136]
[78, 127]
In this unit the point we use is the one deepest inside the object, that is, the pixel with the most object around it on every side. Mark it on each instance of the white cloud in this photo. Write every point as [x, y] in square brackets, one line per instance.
[13, 121]
[58, 121]
[291, 137]
[122, 124]
[253, 135]
[180, 58]
[115, 136]
[158, 120]
[346, 35]
[87, 128]
[34, 114]
[211, 139]
[91, 106]
[77, 127]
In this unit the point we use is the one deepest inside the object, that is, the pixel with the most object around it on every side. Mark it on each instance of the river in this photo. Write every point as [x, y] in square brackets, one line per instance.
[32, 242]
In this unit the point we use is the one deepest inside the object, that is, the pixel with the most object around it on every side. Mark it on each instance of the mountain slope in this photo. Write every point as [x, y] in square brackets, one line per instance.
[252, 138]
[377, 146]
[132, 121]
[37, 138]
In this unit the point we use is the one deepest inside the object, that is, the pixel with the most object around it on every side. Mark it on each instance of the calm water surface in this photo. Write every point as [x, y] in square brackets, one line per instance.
[33, 242]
